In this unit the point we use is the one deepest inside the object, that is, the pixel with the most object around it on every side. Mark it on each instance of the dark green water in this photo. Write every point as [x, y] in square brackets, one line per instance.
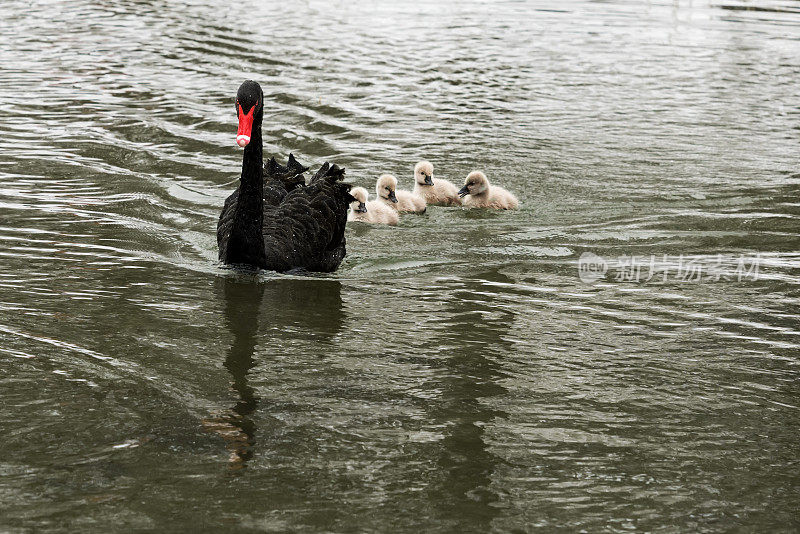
[455, 375]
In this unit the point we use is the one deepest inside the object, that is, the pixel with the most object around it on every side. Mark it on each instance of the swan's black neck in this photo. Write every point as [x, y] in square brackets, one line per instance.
[247, 239]
[253, 163]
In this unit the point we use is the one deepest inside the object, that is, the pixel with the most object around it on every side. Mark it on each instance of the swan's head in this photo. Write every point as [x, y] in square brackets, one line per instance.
[423, 173]
[475, 184]
[250, 109]
[359, 205]
[386, 186]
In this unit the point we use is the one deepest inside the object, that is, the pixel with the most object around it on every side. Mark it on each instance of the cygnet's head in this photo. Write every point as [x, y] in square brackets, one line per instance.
[386, 186]
[475, 184]
[359, 205]
[423, 173]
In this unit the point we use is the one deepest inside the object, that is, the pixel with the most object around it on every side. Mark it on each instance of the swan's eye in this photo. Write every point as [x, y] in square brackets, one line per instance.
[239, 105]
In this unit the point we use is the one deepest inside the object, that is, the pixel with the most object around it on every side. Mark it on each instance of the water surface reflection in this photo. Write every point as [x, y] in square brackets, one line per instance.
[307, 307]
[476, 331]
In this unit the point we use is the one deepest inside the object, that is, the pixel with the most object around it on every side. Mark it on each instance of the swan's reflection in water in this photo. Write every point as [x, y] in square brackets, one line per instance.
[303, 308]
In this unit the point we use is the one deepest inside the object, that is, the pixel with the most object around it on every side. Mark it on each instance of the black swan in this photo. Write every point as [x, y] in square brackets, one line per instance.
[280, 223]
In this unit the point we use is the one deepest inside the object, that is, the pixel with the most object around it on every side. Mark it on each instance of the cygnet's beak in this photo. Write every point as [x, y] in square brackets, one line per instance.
[464, 191]
[392, 196]
[428, 180]
[362, 208]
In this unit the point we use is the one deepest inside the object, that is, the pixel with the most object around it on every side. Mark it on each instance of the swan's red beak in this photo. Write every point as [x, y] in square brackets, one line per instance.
[245, 126]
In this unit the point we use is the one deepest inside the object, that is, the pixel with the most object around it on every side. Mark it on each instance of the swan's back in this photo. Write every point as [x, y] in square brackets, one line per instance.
[280, 180]
[306, 229]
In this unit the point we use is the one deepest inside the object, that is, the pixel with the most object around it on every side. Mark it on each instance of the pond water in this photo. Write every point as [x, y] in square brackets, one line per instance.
[458, 373]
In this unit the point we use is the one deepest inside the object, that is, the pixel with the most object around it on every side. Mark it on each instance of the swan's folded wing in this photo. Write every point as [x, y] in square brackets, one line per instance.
[307, 228]
[280, 180]
[332, 197]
